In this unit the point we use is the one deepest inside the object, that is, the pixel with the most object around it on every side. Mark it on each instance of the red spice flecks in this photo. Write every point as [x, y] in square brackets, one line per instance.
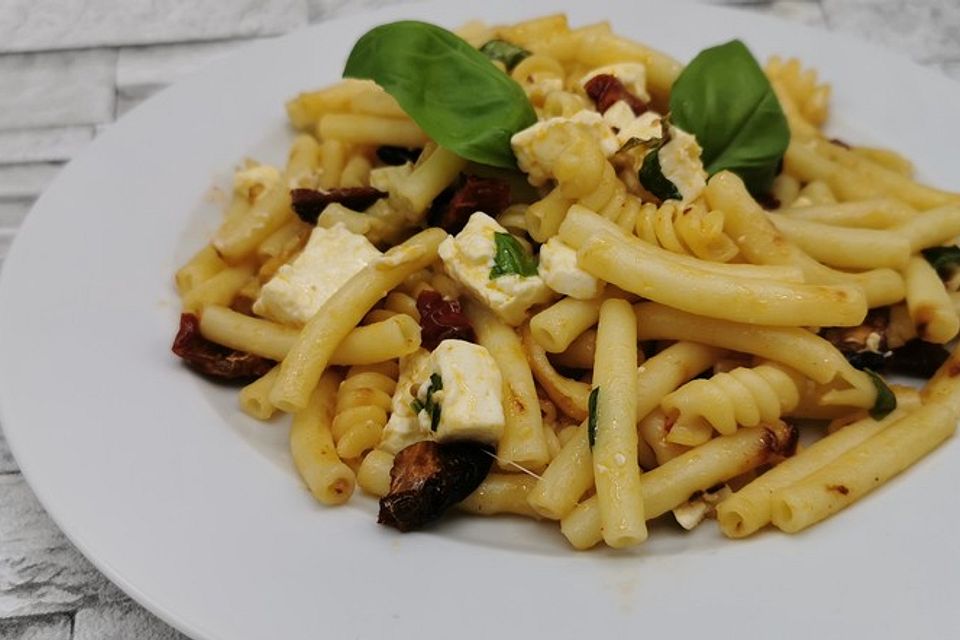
[212, 359]
[441, 320]
[310, 203]
[605, 90]
[489, 195]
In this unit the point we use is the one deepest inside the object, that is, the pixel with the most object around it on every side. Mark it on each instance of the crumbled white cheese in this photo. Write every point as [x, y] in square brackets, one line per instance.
[468, 258]
[540, 145]
[539, 88]
[633, 75]
[252, 182]
[298, 289]
[404, 427]
[681, 165]
[386, 178]
[692, 512]
[559, 270]
[471, 402]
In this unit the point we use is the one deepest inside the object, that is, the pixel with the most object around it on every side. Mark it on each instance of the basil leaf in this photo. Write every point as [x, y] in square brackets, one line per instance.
[726, 101]
[450, 89]
[886, 402]
[592, 416]
[416, 406]
[506, 52]
[652, 178]
[946, 260]
[511, 258]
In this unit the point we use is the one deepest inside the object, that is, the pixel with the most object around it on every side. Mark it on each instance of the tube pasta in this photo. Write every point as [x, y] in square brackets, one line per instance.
[523, 441]
[616, 472]
[329, 480]
[255, 397]
[556, 327]
[501, 493]
[760, 243]
[673, 482]
[569, 395]
[749, 509]
[928, 303]
[878, 213]
[861, 469]
[202, 266]
[310, 354]
[846, 248]
[802, 350]
[652, 273]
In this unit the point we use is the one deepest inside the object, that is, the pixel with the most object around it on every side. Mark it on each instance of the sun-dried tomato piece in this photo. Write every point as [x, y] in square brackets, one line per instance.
[212, 359]
[917, 358]
[428, 478]
[309, 203]
[605, 90]
[452, 209]
[442, 319]
[391, 155]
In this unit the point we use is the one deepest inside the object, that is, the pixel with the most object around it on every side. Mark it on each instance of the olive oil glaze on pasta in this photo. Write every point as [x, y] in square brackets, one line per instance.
[588, 285]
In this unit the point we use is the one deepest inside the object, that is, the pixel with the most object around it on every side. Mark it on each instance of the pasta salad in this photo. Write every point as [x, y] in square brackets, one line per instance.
[549, 271]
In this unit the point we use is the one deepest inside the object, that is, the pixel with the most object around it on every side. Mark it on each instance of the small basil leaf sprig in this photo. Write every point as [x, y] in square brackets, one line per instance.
[726, 101]
[451, 90]
[506, 52]
[511, 258]
[886, 402]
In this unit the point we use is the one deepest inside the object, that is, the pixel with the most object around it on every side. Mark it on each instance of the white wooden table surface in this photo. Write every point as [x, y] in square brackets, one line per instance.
[69, 68]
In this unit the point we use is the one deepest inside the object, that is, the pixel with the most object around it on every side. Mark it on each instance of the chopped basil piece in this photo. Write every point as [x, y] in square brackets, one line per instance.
[428, 405]
[506, 52]
[652, 178]
[946, 260]
[592, 416]
[886, 401]
[511, 258]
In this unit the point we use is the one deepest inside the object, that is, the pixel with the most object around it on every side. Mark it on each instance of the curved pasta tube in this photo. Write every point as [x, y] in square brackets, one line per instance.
[803, 86]
[562, 104]
[363, 400]
[743, 397]
[538, 75]
[690, 229]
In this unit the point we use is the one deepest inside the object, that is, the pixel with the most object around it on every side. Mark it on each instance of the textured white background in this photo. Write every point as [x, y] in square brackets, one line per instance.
[69, 68]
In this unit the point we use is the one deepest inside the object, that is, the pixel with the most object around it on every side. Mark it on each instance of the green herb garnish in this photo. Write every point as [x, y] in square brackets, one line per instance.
[450, 89]
[506, 52]
[946, 260]
[886, 402]
[652, 178]
[725, 100]
[511, 258]
[428, 404]
[592, 416]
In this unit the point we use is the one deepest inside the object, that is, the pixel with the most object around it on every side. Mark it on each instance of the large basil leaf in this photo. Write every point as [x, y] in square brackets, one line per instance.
[726, 101]
[449, 88]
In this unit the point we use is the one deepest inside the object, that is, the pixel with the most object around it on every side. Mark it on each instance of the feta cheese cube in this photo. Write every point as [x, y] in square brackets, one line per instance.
[404, 427]
[540, 145]
[681, 165]
[298, 289]
[633, 75]
[471, 402]
[559, 270]
[468, 258]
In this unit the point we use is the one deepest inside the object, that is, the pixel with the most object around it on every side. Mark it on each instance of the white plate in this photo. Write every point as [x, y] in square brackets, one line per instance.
[194, 509]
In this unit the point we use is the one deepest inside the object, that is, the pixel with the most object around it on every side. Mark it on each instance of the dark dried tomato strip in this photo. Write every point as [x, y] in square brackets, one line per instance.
[605, 90]
[212, 359]
[917, 358]
[428, 478]
[397, 155]
[442, 319]
[309, 203]
[452, 210]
